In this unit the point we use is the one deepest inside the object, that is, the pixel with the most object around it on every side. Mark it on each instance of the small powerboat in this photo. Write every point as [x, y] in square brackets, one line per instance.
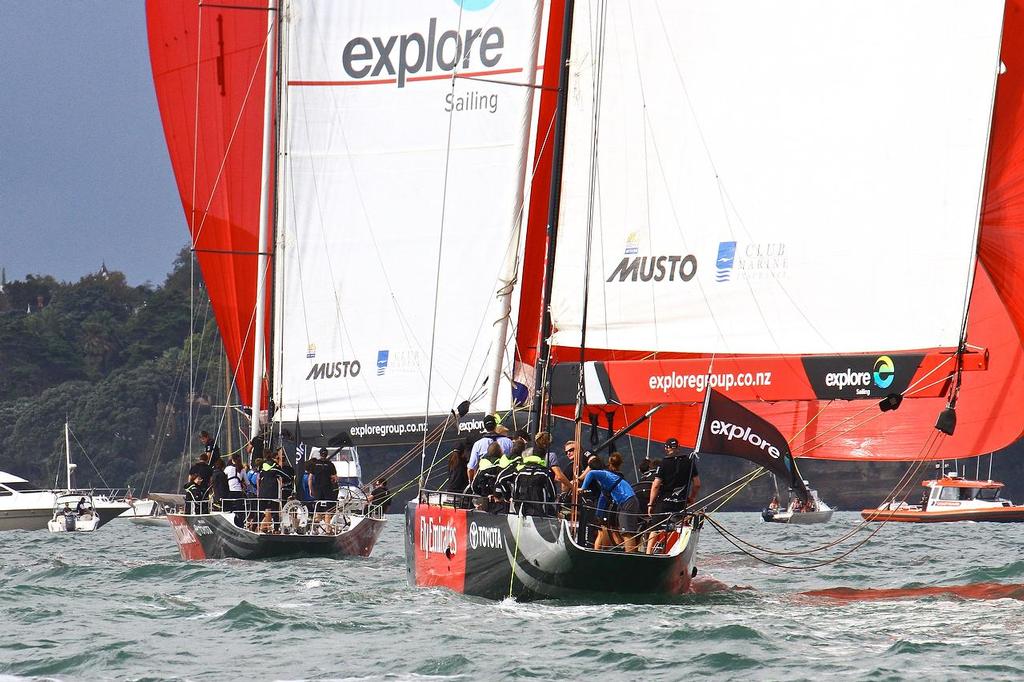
[73, 513]
[814, 510]
[951, 498]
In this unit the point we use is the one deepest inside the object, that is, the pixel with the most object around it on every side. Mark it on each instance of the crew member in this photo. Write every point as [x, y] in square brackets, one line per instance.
[486, 438]
[210, 447]
[676, 484]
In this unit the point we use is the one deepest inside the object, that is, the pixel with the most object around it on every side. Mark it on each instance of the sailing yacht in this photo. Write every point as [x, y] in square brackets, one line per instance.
[320, 199]
[708, 231]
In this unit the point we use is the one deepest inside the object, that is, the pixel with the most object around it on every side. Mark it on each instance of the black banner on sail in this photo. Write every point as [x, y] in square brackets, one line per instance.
[732, 430]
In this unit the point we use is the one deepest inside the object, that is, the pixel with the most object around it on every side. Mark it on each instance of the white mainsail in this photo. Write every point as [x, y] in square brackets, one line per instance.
[382, 151]
[767, 170]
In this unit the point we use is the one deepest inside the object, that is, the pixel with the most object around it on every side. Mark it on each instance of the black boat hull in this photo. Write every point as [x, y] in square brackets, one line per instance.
[215, 536]
[473, 552]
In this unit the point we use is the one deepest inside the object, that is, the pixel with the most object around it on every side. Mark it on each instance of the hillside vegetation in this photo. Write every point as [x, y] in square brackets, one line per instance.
[113, 360]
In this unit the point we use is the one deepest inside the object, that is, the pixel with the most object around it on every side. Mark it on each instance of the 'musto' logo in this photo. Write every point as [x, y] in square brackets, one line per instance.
[885, 372]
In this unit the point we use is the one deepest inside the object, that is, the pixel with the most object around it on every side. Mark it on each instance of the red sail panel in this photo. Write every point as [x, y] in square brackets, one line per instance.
[535, 249]
[214, 137]
[1001, 246]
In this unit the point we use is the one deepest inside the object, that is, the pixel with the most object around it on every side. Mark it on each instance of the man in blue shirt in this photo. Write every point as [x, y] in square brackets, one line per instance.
[613, 485]
[486, 438]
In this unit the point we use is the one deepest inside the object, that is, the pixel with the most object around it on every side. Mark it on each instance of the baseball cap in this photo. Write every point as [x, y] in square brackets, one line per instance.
[671, 443]
[490, 422]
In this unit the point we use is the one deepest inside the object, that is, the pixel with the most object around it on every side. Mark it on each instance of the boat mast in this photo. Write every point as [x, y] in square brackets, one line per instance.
[540, 373]
[506, 279]
[67, 451]
[263, 258]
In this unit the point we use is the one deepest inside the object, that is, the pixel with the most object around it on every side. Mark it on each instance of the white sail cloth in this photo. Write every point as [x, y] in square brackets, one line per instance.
[381, 150]
[786, 176]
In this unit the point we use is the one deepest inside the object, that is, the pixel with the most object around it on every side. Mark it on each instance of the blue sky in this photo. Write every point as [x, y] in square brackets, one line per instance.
[84, 172]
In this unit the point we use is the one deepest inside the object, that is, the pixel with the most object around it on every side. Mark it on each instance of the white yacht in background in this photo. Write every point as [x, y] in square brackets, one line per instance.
[26, 507]
[23, 506]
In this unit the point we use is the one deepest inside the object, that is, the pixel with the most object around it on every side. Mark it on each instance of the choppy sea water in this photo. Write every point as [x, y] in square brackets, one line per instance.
[923, 602]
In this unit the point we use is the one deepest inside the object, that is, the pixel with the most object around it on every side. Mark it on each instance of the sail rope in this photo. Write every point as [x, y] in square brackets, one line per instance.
[901, 490]
[93, 464]
[515, 554]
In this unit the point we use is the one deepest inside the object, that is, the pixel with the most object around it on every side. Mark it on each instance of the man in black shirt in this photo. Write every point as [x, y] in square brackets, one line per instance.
[322, 488]
[380, 496]
[210, 447]
[202, 472]
[269, 491]
[676, 484]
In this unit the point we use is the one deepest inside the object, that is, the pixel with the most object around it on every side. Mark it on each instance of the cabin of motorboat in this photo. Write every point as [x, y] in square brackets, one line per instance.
[951, 498]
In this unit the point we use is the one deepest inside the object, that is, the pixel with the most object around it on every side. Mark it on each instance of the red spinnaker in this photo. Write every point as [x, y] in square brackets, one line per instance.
[1002, 220]
[208, 69]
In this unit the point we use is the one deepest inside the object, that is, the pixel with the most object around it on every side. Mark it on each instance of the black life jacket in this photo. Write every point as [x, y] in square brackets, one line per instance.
[533, 493]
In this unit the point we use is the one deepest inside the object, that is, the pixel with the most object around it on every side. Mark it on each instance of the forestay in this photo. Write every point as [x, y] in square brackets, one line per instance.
[382, 152]
[775, 177]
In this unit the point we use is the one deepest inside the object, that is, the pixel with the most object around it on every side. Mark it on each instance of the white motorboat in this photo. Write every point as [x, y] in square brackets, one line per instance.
[27, 507]
[73, 513]
[24, 506]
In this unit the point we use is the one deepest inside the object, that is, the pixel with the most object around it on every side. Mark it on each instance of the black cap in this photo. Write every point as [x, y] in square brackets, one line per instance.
[490, 422]
[671, 443]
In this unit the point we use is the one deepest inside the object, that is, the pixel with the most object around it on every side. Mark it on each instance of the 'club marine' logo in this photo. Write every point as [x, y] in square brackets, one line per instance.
[885, 372]
[484, 536]
[656, 268]
[730, 431]
[377, 56]
[311, 351]
[334, 370]
[382, 362]
[726, 259]
[437, 538]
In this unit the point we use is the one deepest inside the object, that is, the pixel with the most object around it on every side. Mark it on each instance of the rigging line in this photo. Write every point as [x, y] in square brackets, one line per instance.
[531, 86]
[898, 489]
[598, 66]
[846, 421]
[906, 393]
[647, 172]
[440, 252]
[165, 424]
[93, 464]
[515, 555]
[736, 491]
[807, 423]
[722, 530]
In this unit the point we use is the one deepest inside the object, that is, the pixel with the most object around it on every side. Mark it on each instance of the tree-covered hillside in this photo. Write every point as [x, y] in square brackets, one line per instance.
[114, 360]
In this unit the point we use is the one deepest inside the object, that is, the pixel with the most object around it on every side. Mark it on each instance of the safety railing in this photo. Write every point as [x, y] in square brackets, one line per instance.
[595, 527]
[271, 516]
